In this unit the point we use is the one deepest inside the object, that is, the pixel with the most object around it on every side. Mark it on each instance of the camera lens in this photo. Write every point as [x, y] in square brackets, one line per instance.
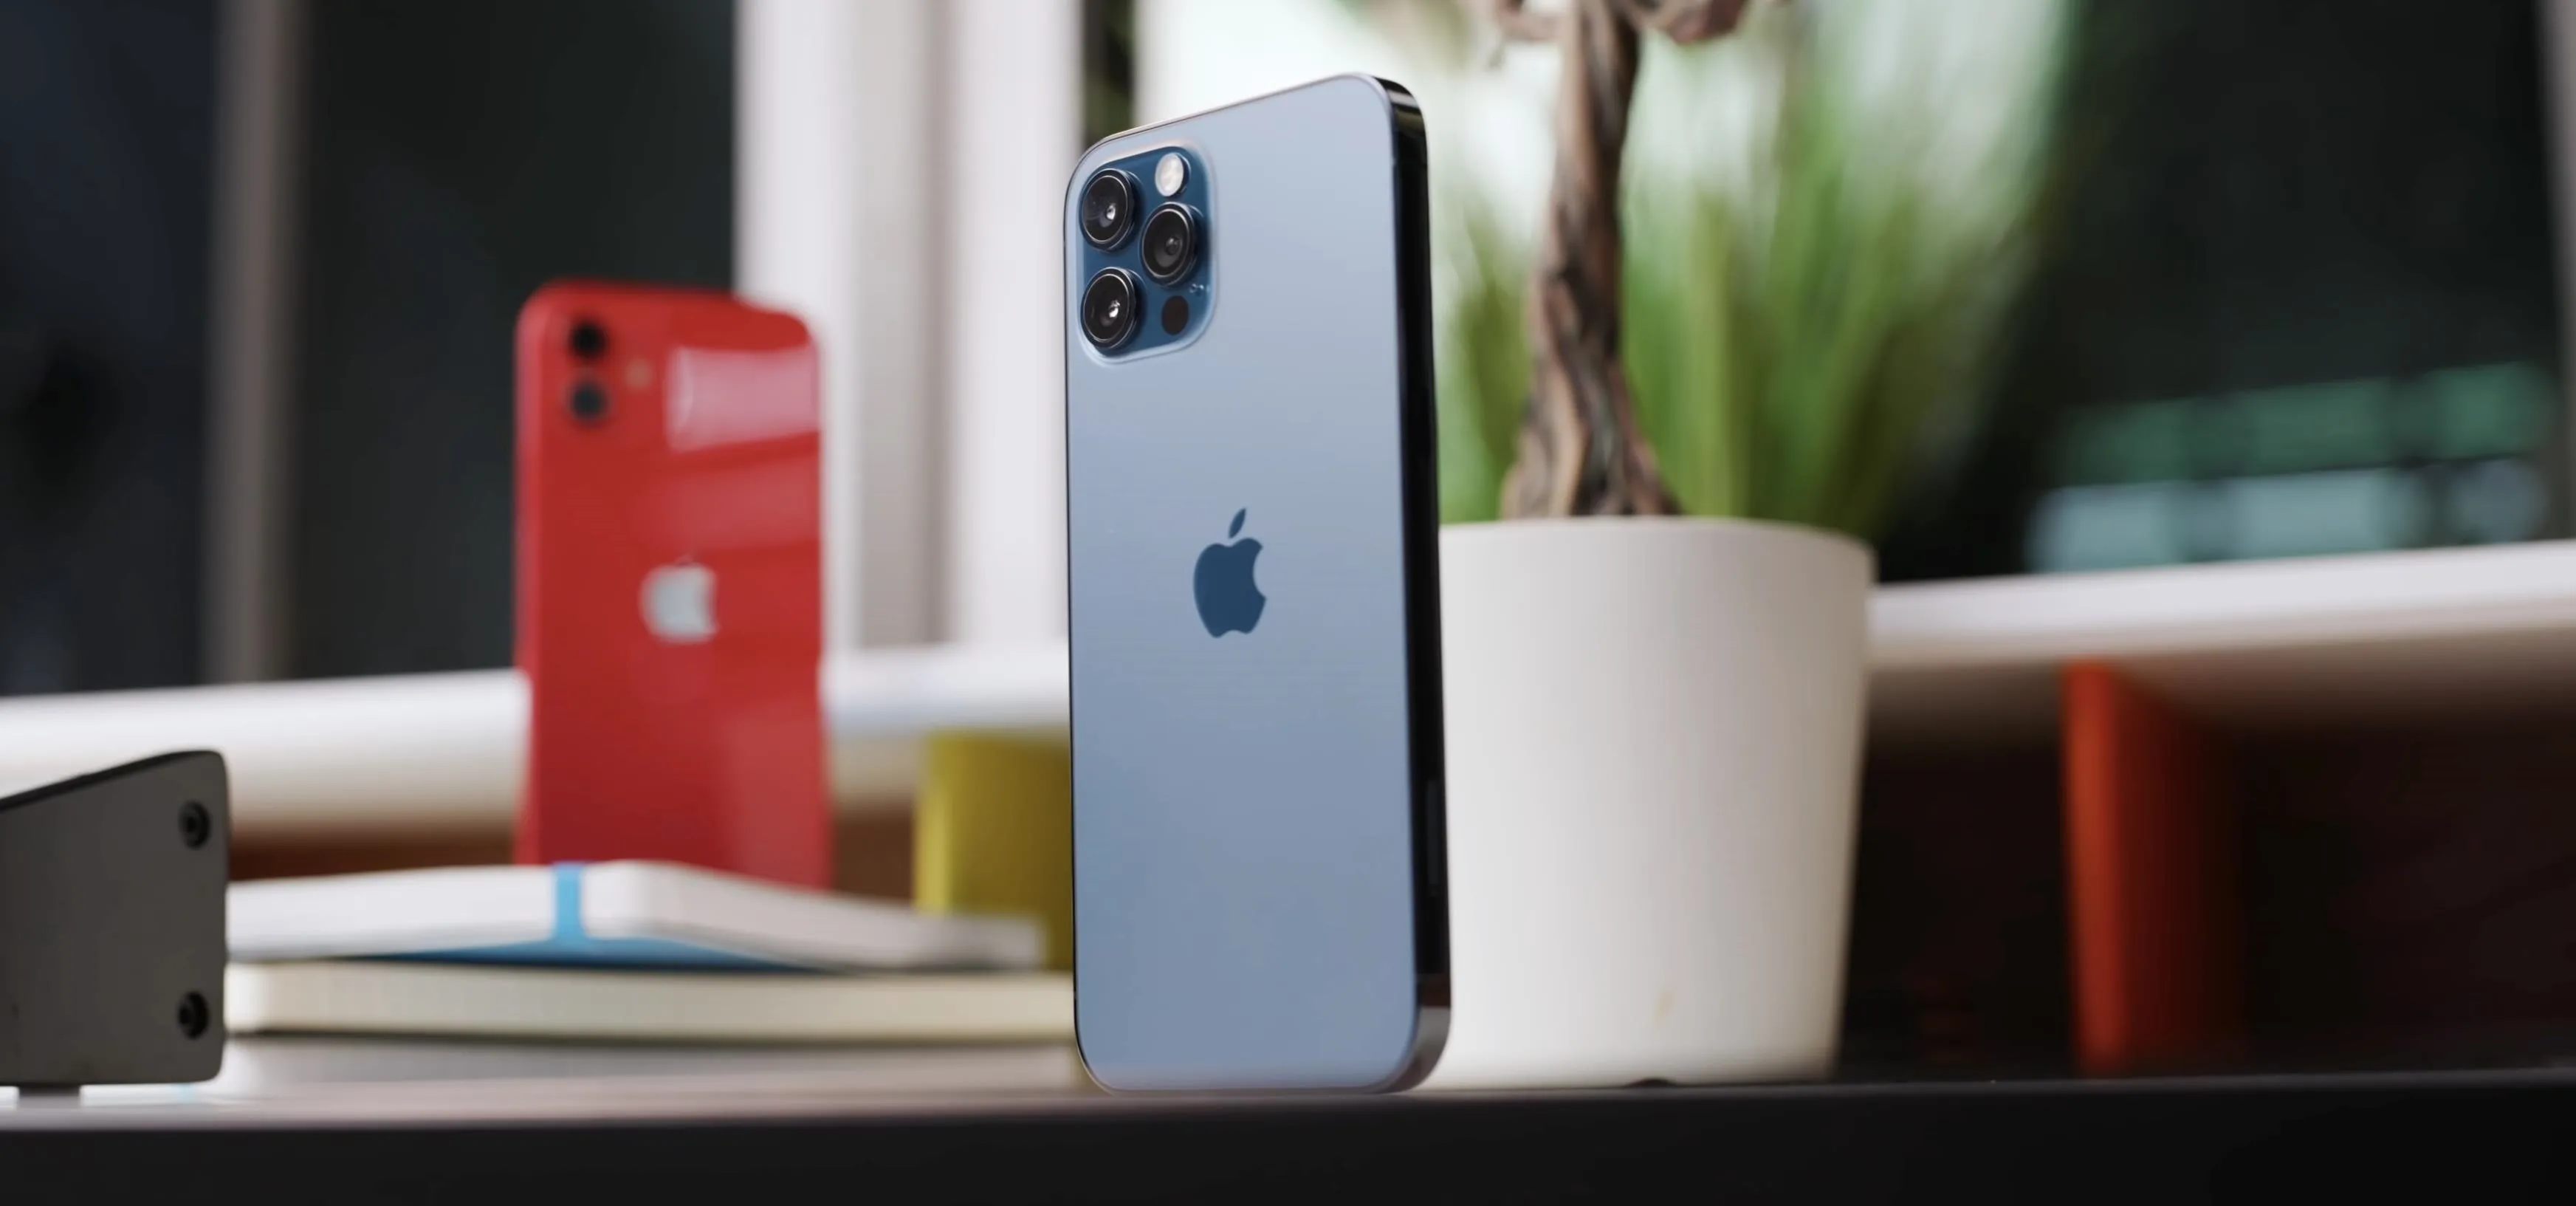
[589, 402]
[1108, 207]
[1171, 243]
[1109, 305]
[588, 340]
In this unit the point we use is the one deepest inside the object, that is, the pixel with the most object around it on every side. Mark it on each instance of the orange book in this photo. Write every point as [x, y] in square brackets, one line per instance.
[2152, 905]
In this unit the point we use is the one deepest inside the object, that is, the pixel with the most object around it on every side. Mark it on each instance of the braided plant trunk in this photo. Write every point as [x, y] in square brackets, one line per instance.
[1581, 452]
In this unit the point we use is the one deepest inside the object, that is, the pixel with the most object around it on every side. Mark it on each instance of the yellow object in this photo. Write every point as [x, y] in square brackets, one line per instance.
[993, 832]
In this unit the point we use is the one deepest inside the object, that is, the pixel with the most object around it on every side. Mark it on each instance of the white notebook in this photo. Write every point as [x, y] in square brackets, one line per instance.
[373, 997]
[262, 1066]
[619, 914]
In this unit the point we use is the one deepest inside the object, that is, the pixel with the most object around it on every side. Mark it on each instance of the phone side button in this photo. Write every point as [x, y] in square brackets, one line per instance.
[1435, 837]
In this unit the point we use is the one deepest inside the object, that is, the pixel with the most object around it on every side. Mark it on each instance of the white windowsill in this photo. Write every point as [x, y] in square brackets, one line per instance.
[2320, 640]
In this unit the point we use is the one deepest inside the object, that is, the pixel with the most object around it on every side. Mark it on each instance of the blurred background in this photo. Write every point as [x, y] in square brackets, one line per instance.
[2133, 283]
[2191, 280]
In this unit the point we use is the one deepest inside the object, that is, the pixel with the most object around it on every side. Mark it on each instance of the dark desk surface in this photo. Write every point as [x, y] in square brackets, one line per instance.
[2482, 1136]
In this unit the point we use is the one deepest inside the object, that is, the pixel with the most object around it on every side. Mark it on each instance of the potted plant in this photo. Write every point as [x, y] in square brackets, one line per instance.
[1657, 665]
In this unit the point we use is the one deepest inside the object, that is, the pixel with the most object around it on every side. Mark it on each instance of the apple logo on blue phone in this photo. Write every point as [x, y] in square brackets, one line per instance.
[1228, 600]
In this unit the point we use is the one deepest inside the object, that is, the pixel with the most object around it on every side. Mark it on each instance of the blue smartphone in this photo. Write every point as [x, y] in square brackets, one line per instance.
[1254, 579]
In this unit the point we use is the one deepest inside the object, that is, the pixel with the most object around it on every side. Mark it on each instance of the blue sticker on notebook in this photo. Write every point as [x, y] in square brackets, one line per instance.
[572, 946]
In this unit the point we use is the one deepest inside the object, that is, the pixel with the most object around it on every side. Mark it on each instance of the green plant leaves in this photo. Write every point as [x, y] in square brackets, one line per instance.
[1790, 345]
[1483, 371]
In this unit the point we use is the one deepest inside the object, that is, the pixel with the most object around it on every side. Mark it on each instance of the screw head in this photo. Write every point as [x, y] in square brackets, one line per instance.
[195, 824]
[193, 1017]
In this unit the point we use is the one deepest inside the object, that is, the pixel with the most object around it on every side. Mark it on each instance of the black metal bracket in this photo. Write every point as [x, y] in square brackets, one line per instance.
[112, 926]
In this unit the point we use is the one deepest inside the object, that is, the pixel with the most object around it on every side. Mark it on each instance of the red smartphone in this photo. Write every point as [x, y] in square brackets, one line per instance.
[670, 611]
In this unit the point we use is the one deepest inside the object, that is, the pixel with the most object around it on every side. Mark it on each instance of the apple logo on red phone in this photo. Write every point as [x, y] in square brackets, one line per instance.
[1228, 600]
[680, 602]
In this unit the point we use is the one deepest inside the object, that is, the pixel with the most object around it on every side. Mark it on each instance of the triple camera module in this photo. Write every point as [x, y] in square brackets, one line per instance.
[1168, 249]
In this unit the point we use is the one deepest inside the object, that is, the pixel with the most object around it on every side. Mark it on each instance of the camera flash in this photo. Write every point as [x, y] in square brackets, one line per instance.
[1171, 173]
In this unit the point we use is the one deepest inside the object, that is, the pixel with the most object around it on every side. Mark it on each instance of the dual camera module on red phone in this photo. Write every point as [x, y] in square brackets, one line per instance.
[588, 400]
[1149, 271]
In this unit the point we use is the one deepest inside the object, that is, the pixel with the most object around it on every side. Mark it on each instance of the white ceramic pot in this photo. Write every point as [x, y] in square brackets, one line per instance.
[1653, 739]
